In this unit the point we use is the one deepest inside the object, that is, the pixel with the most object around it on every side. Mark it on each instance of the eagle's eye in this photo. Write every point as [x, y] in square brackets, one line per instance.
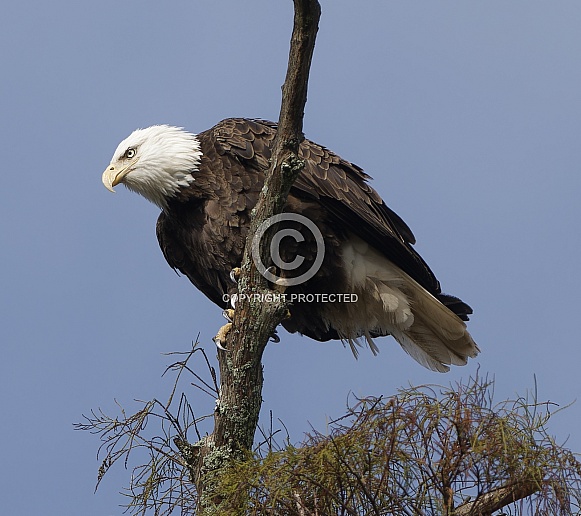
[130, 153]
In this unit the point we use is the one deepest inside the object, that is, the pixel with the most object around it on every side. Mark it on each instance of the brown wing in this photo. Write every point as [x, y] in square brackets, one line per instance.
[179, 247]
[203, 231]
[340, 186]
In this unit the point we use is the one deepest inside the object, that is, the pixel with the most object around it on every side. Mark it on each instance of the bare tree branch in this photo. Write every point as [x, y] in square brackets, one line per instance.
[241, 379]
[495, 500]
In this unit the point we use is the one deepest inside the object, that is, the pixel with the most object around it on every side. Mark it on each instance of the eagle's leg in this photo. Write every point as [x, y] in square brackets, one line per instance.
[221, 336]
[229, 313]
[224, 330]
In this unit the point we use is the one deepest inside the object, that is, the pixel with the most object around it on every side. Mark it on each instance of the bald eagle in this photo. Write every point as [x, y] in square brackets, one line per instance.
[206, 186]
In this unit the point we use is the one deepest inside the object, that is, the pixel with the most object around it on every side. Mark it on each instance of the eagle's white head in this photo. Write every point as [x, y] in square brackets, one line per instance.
[155, 162]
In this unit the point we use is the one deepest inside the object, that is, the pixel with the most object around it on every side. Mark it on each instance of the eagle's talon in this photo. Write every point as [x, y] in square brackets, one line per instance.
[221, 336]
[233, 300]
[275, 338]
[219, 345]
[228, 314]
[235, 274]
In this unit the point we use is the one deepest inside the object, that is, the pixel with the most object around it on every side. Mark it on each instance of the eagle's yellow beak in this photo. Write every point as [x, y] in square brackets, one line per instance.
[113, 175]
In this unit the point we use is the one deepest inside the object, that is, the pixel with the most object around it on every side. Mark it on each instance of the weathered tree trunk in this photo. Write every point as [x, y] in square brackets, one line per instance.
[241, 380]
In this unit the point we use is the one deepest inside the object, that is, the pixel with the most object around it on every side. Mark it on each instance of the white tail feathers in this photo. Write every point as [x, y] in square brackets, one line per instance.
[438, 337]
[392, 303]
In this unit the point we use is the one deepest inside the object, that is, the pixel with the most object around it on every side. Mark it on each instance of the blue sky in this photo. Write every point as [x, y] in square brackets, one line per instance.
[467, 115]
